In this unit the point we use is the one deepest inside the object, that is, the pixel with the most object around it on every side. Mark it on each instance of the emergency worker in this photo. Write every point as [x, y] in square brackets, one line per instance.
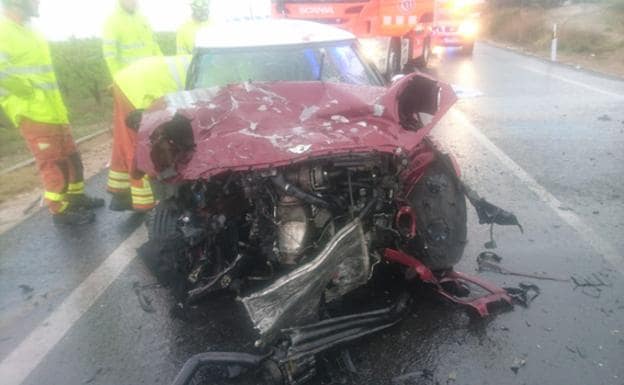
[127, 37]
[135, 88]
[31, 99]
[186, 34]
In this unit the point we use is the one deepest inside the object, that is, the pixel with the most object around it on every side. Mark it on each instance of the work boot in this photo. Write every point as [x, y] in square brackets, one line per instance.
[120, 202]
[84, 201]
[71, 217]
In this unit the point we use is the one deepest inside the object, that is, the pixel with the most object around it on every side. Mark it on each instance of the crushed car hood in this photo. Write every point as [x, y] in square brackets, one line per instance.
[264, 125]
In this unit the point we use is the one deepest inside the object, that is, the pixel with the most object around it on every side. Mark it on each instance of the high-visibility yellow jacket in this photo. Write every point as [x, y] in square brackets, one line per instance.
[28, 85]
[185, 41]
[151, 78]
[127, 37]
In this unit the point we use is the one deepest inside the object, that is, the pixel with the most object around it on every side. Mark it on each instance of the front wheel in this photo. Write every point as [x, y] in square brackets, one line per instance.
[438, 201]
[165, 243]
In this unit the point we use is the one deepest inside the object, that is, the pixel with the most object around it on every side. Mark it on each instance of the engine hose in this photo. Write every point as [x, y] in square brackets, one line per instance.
[216, 359]
[292, 190]
[368, 208]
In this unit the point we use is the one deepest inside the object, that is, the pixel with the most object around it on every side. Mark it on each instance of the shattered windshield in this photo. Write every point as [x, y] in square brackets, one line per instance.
[335, 64]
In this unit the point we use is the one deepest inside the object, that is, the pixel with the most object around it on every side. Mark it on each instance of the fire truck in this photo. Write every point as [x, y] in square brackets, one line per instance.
[456, 24]
[395, 34]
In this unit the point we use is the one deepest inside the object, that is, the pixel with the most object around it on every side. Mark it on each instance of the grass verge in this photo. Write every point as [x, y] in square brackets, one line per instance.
[589, 34]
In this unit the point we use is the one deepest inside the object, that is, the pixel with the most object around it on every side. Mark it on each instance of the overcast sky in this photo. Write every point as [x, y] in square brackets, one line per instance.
[61, 19]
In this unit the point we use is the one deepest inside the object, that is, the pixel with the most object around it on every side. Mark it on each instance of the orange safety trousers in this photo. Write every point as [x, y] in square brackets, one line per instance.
[120, 174]
[58, 161]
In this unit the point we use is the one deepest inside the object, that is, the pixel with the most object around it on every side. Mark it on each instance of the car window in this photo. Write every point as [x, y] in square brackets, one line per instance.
[337, 64]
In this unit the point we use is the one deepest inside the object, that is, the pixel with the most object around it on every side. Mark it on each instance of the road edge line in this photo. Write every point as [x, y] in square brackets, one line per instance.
[545, 60]
[603, 247]
[559, 77]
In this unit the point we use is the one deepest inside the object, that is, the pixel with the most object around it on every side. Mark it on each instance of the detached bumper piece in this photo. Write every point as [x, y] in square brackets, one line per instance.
[453, 285]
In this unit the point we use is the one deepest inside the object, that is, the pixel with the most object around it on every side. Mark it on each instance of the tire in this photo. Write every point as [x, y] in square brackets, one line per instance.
[440, 207]
[162, 223]
[165, 243]
[394, 58]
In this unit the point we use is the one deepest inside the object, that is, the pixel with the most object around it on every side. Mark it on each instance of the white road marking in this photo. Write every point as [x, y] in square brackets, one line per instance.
[585, 231]
[574, 82]
[465, 92]
[16, 367]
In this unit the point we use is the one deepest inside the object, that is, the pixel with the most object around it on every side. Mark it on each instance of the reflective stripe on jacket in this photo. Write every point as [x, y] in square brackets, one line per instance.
[185, 39]
[28, 85]
[151, 78]
[127, 38]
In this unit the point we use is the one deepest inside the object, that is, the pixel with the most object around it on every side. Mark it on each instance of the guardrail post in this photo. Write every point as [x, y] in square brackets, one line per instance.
[553, 44]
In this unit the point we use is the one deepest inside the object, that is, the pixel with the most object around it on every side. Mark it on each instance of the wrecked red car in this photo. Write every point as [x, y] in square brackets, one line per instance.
[290, 171]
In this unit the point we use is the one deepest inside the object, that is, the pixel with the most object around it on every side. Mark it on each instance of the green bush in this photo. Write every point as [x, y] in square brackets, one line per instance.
[529, 27]
[80, 68]
[583, 41]
[83, 78]
[519, 26]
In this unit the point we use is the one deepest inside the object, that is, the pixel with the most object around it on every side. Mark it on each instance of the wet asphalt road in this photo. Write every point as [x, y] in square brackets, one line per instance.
[562, 128]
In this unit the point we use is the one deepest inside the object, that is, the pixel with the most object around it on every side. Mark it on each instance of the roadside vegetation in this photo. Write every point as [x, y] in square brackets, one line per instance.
[590, 33]
[84, 82]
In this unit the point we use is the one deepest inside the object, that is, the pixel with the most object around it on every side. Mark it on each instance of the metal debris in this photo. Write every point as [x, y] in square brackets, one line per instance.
[489, 256]
[524, 294]
[26, 289]
[94, 376]
[490, 213]
[491, 244]
[144, 301]
[517, 364]
[576, 350]
[590, 285]
[488, 261]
